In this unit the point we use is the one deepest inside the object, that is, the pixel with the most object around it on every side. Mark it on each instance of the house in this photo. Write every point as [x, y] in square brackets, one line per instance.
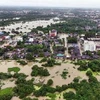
[97, 35]
[2, 36]
[56, 19]
[53, 33]
[31, 40]
[47, 54]
[18, 38]
[7, 37]
[98, 47]
[89, 46]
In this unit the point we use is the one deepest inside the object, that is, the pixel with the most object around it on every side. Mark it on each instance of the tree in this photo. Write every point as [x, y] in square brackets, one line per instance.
[39, 71]
[29, 56]
[76, 79]
[69, 96]
[50, 63]
[72, 40]
[89, 73]
[1, 51]
[98, 52]
[24, 89]
[50, 82]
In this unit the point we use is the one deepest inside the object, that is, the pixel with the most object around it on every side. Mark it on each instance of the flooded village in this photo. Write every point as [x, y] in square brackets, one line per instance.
[48, 59]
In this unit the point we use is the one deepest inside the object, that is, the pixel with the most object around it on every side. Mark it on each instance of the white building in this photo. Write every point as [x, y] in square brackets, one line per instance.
[89, 45]
[18, 38]
[7, 37]
[56, 19]
[31, 39]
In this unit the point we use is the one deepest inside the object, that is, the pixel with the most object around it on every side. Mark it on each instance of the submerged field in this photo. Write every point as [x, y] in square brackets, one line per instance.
[63, 74]
[28, 26]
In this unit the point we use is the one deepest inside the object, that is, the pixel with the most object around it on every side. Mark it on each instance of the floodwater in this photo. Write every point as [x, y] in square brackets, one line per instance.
[56, 71]
[55, 74]
[15, 98]
[27, 26]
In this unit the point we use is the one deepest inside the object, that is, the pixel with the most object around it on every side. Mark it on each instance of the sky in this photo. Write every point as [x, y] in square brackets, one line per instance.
[52, 3]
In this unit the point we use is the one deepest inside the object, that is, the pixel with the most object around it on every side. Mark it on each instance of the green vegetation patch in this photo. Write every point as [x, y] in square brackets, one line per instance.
[6, 94]
[39, 71]
[94, 65]
[85, 89]
[14, 69]
[43, 60]
[50, 63]
[22, 62]
[52, 96]
[6, 91]
[64, 74]
[72, 40]
[5, 76]
[23, 88]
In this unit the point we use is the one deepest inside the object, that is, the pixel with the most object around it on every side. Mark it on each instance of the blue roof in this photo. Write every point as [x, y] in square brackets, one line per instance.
[60, 55]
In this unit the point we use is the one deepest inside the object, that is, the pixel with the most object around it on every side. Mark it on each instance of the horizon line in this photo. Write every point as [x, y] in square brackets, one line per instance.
[49, 7]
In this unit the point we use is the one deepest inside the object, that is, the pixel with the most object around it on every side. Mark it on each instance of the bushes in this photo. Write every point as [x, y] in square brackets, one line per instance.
[41, 54]
[6, 97]
[15, 57]
[50, 82]
[93, 79]
[76, 79]
[43, 60]
[18, 75]
[64, 74]
[22, 62]
[14, 69]
[29, 56]
[5, 76]
[25, 88]
[64, 87]
[52, 96]
[50, 63]
[44, 90]
[69, 96]
[84, 90]
[57, 63]
[89, 73]
[39, 71]
[72, 40]
[6, 94]
[94, 65]
[98, 52]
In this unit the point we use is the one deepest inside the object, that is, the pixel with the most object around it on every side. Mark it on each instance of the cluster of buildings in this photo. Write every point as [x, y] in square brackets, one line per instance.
[56, 45]
[29, 39]
[90, 44]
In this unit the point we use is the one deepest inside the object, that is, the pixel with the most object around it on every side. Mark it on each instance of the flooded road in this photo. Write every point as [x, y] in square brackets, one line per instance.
[27, 26]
